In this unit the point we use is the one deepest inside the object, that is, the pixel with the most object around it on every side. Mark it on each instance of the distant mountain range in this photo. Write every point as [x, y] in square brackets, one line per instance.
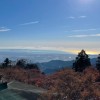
[55, 65]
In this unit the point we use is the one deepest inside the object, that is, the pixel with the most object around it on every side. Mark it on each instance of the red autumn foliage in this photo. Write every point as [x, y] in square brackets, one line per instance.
[70, 85]
[27, 76]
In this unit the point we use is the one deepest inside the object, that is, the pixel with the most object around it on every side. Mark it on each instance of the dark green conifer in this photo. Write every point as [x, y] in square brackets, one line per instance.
[82, 61]
[6, 62]
[98, 63]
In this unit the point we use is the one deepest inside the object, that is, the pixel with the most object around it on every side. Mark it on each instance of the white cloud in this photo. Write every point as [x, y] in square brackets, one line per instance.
[91, 29]
[82, 30]
[77, 17]
[71, 17]
[82, 36]
[82, 17]
[3, 29]
[29, 23]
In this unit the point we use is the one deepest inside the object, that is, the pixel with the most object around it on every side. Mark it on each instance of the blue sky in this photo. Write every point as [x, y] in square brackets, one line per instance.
[64, 25]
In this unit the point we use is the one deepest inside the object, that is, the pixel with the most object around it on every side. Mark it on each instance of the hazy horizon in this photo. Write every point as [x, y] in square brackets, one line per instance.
[39, 51]
[39, 56]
